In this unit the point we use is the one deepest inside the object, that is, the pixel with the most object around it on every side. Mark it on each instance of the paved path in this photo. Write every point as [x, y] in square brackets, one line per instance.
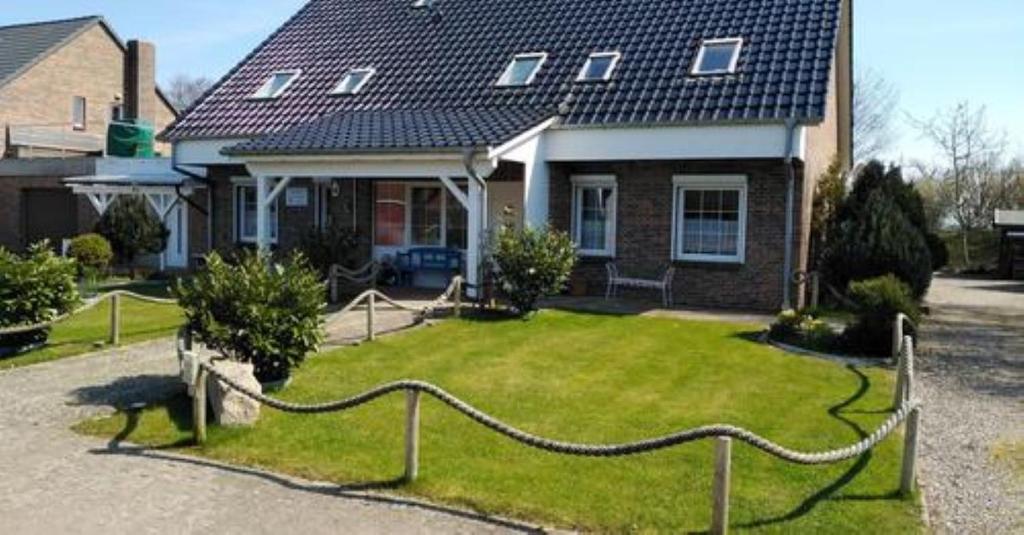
[971, 378]
[55, 481]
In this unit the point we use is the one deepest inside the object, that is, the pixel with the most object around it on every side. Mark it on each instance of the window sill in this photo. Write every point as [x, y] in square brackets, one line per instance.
[733, 265]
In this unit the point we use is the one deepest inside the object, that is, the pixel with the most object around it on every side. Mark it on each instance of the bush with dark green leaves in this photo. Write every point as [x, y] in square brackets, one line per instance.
[878, 302]
[875, 233]
[132, 229]
[92, 252]
[327, 247]
[252, 311]
[531, 264]
[34, 288]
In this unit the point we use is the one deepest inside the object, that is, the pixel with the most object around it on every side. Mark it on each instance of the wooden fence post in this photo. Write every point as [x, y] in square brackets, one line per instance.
[720, 488]
[412, 434]
[115, 319]
[897, 337]
[908, 475]
[332, 273]
[371, 303]
[199, 407]
[458, 297]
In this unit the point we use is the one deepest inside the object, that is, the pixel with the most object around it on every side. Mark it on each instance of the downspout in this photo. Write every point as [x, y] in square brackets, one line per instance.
[787, 263]
[468, 155]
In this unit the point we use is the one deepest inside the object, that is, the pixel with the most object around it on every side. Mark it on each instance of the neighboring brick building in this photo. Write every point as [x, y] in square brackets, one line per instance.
[657, 132]
[61, 85]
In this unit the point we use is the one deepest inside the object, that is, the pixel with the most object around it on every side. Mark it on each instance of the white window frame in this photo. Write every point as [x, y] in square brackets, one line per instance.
[737, 41]
[407, 242]
[75, 123]
[683, 183]
[581, 183]
[504, 81]
[262, 92]
[237, 185]
[616, 57]
[369, 71]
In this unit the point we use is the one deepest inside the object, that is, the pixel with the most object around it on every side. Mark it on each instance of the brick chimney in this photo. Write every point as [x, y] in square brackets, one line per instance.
[140, 81]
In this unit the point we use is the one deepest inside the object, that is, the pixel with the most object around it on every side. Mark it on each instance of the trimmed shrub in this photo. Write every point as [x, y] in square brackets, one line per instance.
[92, 252]
[880, 240]
[269, 316]
[132, 230]
[35, 288]
[878, 301]
[532, 263]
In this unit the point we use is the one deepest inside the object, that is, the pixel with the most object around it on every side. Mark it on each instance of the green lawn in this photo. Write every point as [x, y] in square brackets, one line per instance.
[81, 333]
[588, 378]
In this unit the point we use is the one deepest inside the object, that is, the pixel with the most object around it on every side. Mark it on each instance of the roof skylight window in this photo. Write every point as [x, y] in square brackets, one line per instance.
[718, 56]
[523, 69]
[599, 67]
[353, 81]
[276, 85]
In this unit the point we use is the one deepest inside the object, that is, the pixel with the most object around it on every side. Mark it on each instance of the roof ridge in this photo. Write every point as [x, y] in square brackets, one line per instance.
[96, 18]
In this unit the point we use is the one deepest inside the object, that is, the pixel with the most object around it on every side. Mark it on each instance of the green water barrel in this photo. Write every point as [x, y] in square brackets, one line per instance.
[132, 138]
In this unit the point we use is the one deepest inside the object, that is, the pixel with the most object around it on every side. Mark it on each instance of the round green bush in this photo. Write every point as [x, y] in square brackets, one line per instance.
[254, 312]
[132, 229]
[92, 251]
[531, 264]
[34, 288]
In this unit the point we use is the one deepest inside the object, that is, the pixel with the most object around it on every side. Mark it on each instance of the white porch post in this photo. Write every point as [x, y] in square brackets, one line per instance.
[477, 232]
[262, 214]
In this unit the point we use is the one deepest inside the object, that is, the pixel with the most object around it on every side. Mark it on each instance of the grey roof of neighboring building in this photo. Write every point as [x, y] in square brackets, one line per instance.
[24, 45]
[438, 66]
[1010, 218]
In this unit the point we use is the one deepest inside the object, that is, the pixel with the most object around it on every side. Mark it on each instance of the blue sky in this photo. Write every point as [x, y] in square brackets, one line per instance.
[936, 52]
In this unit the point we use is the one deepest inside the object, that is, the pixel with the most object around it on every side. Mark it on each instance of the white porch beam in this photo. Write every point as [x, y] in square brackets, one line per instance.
[456, 191]
[477, 232]
[276, 192]
[162, 204]
[101, 201]
[262, 213]
[532, 153]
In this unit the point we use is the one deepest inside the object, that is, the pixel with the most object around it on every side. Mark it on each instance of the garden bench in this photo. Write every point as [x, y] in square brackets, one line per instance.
[664, 284]
[428, 259]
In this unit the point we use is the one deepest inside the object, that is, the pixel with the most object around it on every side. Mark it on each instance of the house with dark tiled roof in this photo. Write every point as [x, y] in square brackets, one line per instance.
[688, 133]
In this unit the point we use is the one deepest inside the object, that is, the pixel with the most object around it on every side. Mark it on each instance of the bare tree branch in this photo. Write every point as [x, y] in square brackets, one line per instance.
[184, 90]
[875, 100]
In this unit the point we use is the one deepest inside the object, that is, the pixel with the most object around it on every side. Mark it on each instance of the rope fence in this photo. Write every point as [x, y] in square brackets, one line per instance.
[370, 298]
[115, 313]
[196, 371]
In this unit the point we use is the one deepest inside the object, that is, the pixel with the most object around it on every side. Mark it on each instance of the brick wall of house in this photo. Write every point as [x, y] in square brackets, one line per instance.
[644, 230]
[91, 66]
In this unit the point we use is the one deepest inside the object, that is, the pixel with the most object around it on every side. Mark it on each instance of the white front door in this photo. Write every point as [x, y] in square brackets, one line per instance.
[176, 255]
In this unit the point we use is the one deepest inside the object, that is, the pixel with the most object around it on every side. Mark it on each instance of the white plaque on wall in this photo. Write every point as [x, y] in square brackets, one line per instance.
[296, 197]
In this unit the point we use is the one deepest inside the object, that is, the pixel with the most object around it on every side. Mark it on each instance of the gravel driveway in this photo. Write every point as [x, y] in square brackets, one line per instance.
[54, 481]
[971, 379]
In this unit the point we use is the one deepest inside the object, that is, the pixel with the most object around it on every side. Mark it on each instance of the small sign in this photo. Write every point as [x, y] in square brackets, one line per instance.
[296, 197]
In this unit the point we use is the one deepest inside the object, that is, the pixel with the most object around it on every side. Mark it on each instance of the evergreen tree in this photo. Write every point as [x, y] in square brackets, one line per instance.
[132, 230]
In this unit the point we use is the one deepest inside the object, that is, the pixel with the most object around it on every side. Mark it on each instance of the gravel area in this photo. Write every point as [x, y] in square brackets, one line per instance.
[971, 379]
[55, 481]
